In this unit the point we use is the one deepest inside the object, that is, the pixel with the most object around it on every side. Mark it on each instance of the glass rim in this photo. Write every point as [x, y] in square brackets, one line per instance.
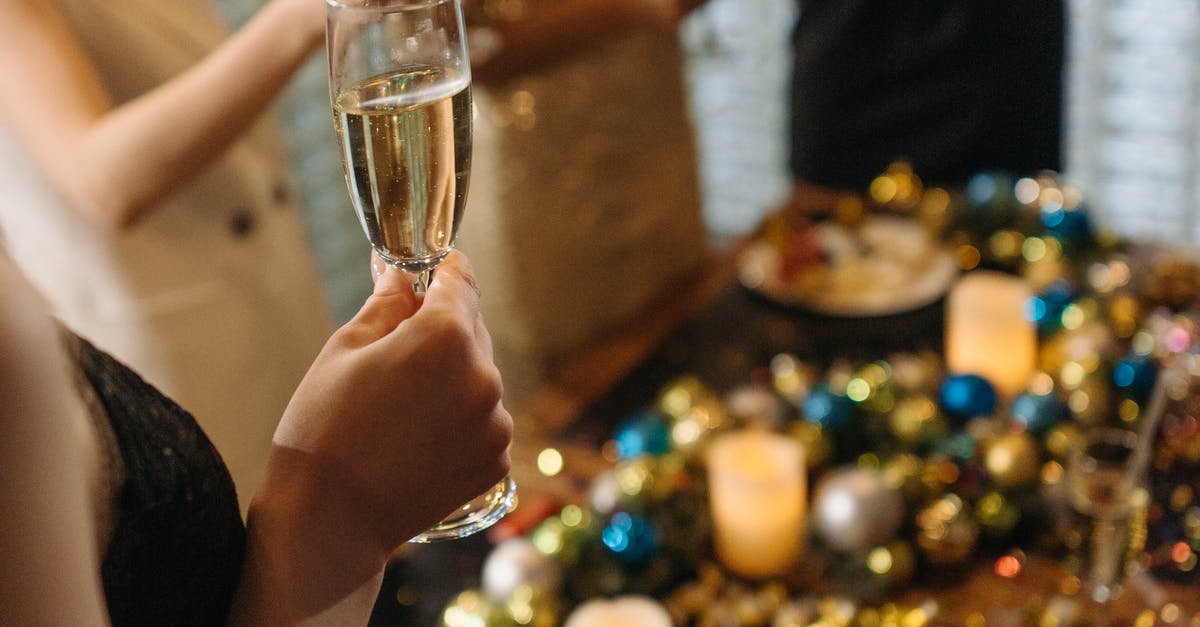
[396, 5]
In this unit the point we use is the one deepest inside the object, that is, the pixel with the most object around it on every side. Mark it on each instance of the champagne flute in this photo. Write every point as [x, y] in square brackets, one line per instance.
[1107, 488]
[400, 90]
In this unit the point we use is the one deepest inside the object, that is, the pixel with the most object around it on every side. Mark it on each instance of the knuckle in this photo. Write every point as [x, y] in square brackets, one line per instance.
[488, 382]
[503, 465]
[451, 331]
[472, 284]
[501, 429]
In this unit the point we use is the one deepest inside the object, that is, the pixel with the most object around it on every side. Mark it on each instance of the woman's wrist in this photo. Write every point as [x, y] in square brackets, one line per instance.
[308, 499]
[310, 555]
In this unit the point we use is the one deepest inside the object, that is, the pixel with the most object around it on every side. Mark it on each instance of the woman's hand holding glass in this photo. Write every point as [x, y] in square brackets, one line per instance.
[399, 420]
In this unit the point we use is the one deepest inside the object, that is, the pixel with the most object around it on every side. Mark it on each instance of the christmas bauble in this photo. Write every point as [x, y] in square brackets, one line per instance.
[1135, 375]
[633, 539]
[817, 447]
[791, 378]
[916, 420]
[643, 434]
[470, 607]
[996, 514]
[755, 405]
[946, 532]
[827, 408]
[1012, 460]
[1047, 307]
[1071, 225]
[854, 508]
[604, 495]
[967, 396]
[515, 562]
[1037, 413]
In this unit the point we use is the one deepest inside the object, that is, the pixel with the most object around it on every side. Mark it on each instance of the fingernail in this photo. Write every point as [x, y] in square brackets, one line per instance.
[377, 267]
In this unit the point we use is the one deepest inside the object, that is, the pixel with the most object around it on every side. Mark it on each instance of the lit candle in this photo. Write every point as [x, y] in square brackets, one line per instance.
[757, 493]
[626, 611]
[988, 333]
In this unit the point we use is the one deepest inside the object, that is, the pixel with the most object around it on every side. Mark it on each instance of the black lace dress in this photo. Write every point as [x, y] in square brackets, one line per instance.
[176, 538]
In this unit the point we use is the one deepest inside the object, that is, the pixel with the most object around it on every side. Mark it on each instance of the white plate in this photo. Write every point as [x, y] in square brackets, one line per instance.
[889, 265]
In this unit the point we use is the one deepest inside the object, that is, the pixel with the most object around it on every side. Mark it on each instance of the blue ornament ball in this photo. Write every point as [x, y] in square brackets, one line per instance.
[1135, 375]
[967, 396]
[643, 434]
[958, 446]
[1068, 225]
[633, 539]
[827, 408]
[1046, 309]
[1037, 412]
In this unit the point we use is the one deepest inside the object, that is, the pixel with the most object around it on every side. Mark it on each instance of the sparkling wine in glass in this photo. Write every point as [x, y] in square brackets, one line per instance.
[400, 89]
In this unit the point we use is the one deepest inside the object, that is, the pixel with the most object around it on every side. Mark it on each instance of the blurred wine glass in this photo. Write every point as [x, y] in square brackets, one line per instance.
[1108, 488]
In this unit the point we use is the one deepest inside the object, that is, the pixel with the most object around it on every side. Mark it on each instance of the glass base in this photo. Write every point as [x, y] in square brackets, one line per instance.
[482, 512]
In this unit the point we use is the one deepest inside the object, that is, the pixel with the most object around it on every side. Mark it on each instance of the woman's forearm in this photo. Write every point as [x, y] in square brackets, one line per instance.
[556, 32]
[305, 564]
[115, 162]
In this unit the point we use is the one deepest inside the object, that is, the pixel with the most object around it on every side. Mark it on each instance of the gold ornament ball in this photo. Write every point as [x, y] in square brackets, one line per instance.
[1090, 400]
[470, 607]
[816, 446]
[1062, 440]
[792, 378]
[903, 472]
[997, 515]
[916, 419]
[1125, 314]
[917, 372]
[682, 394]
[895, 562]
[946, 533]
[1012, 460]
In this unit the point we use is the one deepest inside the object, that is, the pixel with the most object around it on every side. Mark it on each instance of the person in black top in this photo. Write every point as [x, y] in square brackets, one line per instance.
[953, 87]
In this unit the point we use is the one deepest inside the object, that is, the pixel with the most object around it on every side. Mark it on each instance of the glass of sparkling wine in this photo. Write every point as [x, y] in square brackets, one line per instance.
[400, 87]
[1111, 494]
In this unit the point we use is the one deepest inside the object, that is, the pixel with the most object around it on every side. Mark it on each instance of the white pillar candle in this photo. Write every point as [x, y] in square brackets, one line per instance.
[988, 333]
[757, 493]
[626, 611]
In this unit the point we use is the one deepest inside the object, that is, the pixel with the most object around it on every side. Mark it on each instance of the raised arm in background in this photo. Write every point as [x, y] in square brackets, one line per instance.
[114, 162]
[519, 43]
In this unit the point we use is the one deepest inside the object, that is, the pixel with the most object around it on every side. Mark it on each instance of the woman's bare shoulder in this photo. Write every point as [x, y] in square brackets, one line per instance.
[24, 320]
[48, 459]
[39, 398]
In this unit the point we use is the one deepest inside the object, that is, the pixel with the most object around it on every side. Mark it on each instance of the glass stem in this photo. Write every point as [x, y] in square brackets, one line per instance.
[423, 279]
[1106, 559]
